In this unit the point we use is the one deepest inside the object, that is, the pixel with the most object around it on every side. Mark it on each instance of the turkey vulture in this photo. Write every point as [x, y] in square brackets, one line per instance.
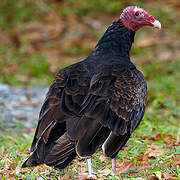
[96, 103]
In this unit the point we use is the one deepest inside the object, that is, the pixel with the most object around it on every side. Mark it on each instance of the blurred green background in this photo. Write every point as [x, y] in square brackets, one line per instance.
[38, 37]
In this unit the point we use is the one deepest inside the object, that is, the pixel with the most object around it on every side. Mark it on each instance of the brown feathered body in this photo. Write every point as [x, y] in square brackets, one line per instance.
[91, 105]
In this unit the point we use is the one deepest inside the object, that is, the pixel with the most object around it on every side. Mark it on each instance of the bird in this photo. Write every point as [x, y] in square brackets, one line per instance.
[95, 104]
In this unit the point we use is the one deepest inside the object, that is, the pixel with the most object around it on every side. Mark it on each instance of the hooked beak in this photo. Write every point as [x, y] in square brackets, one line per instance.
[156, 24]
[153, 22]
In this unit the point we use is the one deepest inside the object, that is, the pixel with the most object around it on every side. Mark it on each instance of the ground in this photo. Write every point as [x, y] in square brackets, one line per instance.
[40, 37]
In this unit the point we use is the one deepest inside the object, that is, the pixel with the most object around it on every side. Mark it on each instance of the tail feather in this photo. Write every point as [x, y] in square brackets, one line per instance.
[59, 154]
[65, 163]
[95, 135]
[31, 161]
[114, 144]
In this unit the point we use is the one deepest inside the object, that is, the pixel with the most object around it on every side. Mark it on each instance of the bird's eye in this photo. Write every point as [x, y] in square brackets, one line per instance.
[137, 14]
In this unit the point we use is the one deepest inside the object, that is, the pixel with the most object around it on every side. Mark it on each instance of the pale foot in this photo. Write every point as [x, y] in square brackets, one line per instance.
[92, 176]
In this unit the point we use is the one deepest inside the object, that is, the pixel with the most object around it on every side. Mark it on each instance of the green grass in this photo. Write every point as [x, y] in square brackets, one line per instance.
[17, 62]
[15, 12]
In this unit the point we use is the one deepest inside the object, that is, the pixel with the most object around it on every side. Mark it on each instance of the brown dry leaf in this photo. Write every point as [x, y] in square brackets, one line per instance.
[13, 68]
[156, 138]
[37, 33]
[125, 168]
[153, 151]
[104, 172]
[153, 178]
[168, 139]
[178, 138]
[24, 154]
[177, 161]
[166, 176]
[145, 159]
[82, 176]
[103, 158]
[4, 38]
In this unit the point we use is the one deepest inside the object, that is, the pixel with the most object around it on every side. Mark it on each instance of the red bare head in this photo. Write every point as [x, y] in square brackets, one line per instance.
[134, 18]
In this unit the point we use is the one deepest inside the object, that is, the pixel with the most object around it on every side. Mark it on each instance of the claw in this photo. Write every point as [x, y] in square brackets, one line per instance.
[92, 176]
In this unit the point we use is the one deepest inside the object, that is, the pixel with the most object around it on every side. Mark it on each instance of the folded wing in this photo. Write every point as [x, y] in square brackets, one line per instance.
[116, 100]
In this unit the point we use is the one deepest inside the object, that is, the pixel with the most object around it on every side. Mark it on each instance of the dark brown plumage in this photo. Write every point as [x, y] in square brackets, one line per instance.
[91, 105]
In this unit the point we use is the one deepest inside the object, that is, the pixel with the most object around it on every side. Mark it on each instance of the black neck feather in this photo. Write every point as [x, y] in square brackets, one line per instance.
[116, 41]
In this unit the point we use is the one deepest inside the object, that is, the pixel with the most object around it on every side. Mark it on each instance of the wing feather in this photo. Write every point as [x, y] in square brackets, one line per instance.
[63, 100]
[117, 98]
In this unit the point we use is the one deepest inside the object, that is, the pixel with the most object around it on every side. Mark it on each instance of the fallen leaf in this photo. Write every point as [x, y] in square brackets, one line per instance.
[158, 174]
[153, 178]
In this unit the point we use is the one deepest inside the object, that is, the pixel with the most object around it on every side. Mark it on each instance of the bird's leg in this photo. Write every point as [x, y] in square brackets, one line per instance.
[113, 162]
[90, 168]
